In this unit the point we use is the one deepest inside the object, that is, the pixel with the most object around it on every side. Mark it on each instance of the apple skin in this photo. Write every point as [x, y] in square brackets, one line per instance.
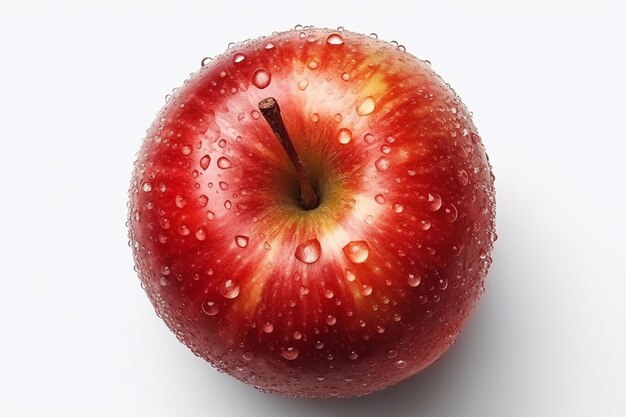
[343, 300]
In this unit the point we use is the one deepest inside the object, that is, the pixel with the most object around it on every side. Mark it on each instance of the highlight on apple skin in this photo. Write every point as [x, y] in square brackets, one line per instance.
[337, 297]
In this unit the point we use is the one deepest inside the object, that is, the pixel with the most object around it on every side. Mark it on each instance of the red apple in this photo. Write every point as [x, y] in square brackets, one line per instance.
[333, 251]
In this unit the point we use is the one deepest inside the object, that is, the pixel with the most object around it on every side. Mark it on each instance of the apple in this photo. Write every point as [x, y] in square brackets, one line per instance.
[313, 213]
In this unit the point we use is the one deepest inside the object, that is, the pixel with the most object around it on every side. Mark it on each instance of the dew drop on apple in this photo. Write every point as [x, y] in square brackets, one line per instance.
[165, 270]
[366, 107]
[353, 355]
[442, 283]
[382, 164]
[261, 78]
[205, 161]
[183, 230]
[201, 234]
[205, 61]
[366, 290]
[344, 136]
[210, 215]
[329, 294]
[434, 202]
[392, 353]
[379, 198]
[239, 57]
[146, 186]
[312, 65]
[290, 353]
[268, 328]
[451, 213]
[400, 364]
[180, 201]
[248, 356]
[345, 76]
[462, 177]
[350, 276]
[303, 84]
[223, 185]
[334, 39]
[224, 163]
[229, 289]
[241, 241]
[269, 45]
[309, 251]
[398, 208]
[414, 280]
[369, 138]
[331, 320]
[210, 308]
[357, 251]
[425, 224]
[203, 200]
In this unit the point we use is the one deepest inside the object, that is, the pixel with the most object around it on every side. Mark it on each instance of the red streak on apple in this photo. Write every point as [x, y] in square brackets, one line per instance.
[364, 290]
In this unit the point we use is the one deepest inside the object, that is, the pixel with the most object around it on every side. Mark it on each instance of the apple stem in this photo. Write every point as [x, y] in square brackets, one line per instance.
[271, 112]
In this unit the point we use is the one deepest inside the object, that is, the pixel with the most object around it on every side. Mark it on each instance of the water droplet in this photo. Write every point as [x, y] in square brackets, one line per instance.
[369, 138]
[329, 294]
[205, 61]
[311, 38]
[183, 230]
[303, 84]
[228, 205]
[290, 353]
[366, 290]
[261, 78]
[462, 177]
[268, 327]
[392, 353]
[319, 345]
[210, 308]
[398, 208]
[353, 355]
[400, 364]
[357, 251]
[165, 223]
[205, 161]
[241, 241]
[380, 199]
[146, 186]
[304, 291]
[248, 356]
[239, 57]
[223, 185]
[482, 254]
[414, 280]
[382, 164]
[451, 213]
[180, 202]
[165, 270]
[229, 289]
[345, 76]
[309, 251]
[424, 224]
[163, 281]
[224, 162]
[442, 284]
[434, 202]
[315, 117]
[255, 114]
[386, 149]
[201, 233]
[210, 215]
[334, 39]
[312, 65]
[344, 136]
[366, 107]
[373, 35]
[269, 45]
[350, 276]
[186, 149]
[331, 320]
[203, 200]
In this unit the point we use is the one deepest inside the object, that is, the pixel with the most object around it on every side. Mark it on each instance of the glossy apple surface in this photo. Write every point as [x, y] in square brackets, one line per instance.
[364, 290]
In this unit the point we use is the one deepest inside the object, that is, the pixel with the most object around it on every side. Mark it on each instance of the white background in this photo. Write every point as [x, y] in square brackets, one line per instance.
[82, 81]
